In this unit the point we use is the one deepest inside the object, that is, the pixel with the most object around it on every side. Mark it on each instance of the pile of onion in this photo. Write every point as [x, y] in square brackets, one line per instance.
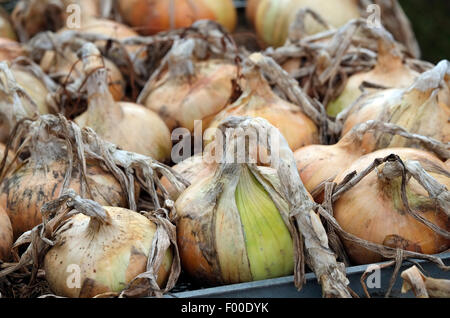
[373, 209]
[180, 100]
[130, 126]
[151, 17]
[258, 100]
[416, 109]
[390, 72]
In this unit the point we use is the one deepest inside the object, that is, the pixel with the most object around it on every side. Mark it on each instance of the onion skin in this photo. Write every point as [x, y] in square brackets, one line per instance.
[27, 189]
[251, 10]
[274, 17]
[179, 102]
[151, 17]
[258, 100]
[6, 235]
[109, 256]
[373, 211]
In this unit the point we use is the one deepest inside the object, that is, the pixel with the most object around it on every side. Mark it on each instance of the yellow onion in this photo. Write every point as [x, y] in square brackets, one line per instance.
[130, 126]
[373, 210]
[191, 169]
[109, 250]
[416, 109]
[6, 235]
[180, 101]
[10, 49]
[390, 72]
[34, 87]
[258, 100]
[65, 64]
[6, 28]
[151, 17]
[274, 17]
[40, 178]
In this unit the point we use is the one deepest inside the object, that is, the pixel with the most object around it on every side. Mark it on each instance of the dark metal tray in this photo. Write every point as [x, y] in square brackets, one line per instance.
[284, 287]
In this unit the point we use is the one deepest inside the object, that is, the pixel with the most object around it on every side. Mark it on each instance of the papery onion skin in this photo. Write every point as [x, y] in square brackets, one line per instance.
[181, 101]
[109, 256]
[27, 189]
[274, 17]
[258, 100]
[151, 17]
[213, 244]
[6, 236]
[373, 209]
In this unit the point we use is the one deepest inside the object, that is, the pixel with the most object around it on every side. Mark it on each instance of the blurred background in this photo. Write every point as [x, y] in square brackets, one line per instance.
[430, 20]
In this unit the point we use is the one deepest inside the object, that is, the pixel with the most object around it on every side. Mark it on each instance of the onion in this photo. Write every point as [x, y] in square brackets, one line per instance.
[274, 17]
[151, 17]
[258, 100]
[416, 109]
[180, 100]
[373, 209]
[41, 177]
[192, 169]
[390, 72]
[235, 232]
[6, 235]
[128, 125]
[111, 246]
[61, 65]
[10, 49]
